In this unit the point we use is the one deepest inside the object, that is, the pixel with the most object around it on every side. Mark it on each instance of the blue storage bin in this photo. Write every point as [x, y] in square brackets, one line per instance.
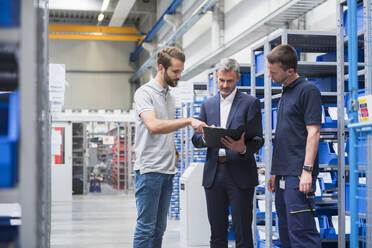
[274, 117]
[328, 84]
[9, 13]
[9, 134]
[328, 121]
[332, 56]
[323, 225]
[326, 154]
[260, 62]
[360, 19]
[245, 79]
[321, 185]
[334, 181]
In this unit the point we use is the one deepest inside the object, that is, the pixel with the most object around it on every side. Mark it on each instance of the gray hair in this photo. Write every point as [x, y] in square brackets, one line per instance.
[228, 64]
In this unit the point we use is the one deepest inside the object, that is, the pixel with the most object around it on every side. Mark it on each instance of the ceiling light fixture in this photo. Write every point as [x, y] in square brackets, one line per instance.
[105, 4]
[100, 17]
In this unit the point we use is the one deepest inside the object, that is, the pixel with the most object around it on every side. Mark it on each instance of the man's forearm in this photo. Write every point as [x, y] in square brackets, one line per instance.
[312, 145]
[167, 126]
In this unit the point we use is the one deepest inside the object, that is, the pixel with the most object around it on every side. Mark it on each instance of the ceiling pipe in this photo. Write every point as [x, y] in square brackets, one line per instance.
[180, 31]
[155, 29]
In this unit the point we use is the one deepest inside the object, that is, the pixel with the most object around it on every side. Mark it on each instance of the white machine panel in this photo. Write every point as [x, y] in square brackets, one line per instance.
[195, 229]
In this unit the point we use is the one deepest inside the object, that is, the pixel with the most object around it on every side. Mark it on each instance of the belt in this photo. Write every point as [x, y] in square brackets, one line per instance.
[222, 159]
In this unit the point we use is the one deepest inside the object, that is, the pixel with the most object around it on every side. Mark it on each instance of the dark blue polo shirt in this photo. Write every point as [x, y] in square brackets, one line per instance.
[300, 105]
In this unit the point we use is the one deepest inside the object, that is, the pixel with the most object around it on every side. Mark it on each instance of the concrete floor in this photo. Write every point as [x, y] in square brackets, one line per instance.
[101, 220]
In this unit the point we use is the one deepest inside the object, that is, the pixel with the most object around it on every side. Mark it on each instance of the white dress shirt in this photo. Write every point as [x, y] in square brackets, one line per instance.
[225, 106]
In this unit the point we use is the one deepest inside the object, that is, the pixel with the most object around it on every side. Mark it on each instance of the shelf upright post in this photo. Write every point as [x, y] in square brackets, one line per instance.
[268, 150]
[85, 159]
[341, 125]
[253, 74]
[353, 117]
[118, 157]
[130, 165]
[368, 89]
[30, 145]
[45, 132]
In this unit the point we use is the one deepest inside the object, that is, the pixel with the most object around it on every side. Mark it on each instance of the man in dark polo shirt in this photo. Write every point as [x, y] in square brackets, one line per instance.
[295, 160]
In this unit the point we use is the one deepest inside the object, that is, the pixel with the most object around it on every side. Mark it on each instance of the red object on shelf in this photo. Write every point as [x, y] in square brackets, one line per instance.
[58, 158]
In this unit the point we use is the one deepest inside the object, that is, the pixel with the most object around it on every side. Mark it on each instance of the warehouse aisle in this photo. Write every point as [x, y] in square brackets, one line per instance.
[100, 220]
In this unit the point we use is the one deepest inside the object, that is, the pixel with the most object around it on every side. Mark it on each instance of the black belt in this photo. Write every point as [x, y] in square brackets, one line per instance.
[222, 159]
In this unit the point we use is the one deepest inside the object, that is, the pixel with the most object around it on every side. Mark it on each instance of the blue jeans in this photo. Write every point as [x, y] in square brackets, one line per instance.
[153, 194]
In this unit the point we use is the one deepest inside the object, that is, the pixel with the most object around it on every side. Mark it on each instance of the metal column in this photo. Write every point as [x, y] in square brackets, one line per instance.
[268, 151]
[30, 143]
[353, 115]
[341, 126]
[367, 9]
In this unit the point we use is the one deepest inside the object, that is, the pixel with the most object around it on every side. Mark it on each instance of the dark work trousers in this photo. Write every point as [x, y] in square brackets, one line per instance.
[224, 192]
[296, 215]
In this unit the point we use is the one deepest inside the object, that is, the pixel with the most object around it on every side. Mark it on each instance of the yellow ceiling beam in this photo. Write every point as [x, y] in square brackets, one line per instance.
[133, 38]
[92, 29]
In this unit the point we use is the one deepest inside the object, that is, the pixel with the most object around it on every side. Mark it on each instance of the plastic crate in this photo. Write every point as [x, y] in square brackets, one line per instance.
[245, 79]
[326, 154]
[9, 13]
[260, 62]
[331, 57]
[274, 117]
[9, 134]
[328, 121]
[323, 226]
[328, 84]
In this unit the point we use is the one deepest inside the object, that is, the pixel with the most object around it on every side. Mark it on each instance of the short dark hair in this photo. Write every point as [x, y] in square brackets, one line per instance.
[165, 55]
[286, 55]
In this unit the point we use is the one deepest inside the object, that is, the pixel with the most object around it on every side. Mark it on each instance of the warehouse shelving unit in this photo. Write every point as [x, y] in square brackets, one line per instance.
[187, 152]
[31, 189]
[121, 172]
[279, 18]
[356, 181]
[306, 44]
[79, 158]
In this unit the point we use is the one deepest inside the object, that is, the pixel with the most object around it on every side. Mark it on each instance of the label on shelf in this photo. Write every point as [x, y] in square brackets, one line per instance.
[365, 108]
[327, 178]
[15, 222]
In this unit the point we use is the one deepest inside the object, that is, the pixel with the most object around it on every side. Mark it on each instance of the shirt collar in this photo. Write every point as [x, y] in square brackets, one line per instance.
[157, 86]
[294, 83]
[229, 98]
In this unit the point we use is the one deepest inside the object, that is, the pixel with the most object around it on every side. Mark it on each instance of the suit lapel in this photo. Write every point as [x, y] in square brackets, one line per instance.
[217, 114]
[233, 109]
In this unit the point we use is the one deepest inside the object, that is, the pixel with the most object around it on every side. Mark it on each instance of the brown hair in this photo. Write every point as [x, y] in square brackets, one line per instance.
[165, 55]
[286, 55]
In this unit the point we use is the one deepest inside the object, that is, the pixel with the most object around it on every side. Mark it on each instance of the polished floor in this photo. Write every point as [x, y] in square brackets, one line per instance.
[101, 220]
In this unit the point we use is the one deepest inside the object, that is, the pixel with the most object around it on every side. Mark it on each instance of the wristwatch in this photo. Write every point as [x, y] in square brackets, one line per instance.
[308, 168]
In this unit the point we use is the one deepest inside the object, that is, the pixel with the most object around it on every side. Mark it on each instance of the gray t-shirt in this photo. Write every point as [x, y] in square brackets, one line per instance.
[154, 152]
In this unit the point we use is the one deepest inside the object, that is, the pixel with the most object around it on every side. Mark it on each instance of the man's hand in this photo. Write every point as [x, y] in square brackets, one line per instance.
[271, 184]
[197, 125]
[235, 145]
[305, 182]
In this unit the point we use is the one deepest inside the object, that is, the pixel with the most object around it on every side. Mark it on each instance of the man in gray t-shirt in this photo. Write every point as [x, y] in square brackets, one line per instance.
[155, 150]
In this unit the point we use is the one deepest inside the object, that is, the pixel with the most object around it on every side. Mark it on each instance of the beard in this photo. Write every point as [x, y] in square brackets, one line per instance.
[171, 82]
